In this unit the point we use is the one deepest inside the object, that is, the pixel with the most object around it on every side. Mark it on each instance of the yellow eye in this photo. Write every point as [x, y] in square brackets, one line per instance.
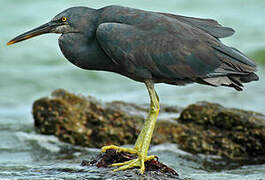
[64, 19]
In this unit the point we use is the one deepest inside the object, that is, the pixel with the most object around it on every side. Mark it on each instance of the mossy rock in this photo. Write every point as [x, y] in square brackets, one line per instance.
[203, 127]
[228, 132]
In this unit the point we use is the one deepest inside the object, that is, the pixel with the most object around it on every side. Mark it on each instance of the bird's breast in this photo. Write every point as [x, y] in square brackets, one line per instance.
[83, 53]
[70, 47]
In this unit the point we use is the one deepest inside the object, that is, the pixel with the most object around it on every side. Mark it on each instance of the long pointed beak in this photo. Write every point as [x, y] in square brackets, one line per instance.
[43, 29]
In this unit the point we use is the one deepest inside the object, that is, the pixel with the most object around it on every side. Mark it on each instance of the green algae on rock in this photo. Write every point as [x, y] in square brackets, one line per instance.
[84, 121]
[201, 128]
[228, 132]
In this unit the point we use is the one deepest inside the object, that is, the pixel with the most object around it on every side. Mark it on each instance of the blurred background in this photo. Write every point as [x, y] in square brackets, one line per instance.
[33, 68]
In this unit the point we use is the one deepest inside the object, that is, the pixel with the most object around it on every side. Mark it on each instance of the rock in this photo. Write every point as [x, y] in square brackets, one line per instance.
[201, 128]
[111, 156]
[84, 121]
[231, 133]
[87, 122]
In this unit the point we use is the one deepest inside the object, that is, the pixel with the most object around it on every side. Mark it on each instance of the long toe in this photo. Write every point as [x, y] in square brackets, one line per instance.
[128, 165]
[138, 162]
[119, 149]
[123, 163]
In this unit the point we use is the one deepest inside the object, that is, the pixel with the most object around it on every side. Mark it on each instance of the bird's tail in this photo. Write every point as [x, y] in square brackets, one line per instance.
[238, 80]
[233, 80]
[236, 69]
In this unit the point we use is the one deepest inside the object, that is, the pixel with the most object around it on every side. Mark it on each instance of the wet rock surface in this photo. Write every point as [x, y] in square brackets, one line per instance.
[231, 133]
[87, 122]
[199, 128]
[153, 168]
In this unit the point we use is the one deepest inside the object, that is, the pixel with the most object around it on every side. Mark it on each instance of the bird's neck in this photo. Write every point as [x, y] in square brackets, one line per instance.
[84, 53]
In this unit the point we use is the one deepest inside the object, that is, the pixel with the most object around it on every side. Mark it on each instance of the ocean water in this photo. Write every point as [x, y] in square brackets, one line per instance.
[32, 69]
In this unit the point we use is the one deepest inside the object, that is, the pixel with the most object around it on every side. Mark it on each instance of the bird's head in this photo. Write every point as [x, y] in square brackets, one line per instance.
[72, 20]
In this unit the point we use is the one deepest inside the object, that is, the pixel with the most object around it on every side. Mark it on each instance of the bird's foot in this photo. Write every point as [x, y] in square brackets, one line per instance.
[138, 162]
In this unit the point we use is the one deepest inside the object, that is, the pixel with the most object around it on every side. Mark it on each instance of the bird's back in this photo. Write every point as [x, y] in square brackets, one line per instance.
[171, 49]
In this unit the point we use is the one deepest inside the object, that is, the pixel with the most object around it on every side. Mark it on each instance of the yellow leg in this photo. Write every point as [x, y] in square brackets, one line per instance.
[143, 141]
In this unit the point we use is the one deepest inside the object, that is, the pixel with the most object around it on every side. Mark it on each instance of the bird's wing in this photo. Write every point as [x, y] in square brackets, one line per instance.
[167, 53]
[208, 25]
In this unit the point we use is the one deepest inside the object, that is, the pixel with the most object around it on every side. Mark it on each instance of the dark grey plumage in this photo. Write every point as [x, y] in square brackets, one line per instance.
[144, 45]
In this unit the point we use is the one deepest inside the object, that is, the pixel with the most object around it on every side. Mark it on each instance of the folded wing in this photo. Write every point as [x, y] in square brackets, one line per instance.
[208, 25]
[176, 53]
